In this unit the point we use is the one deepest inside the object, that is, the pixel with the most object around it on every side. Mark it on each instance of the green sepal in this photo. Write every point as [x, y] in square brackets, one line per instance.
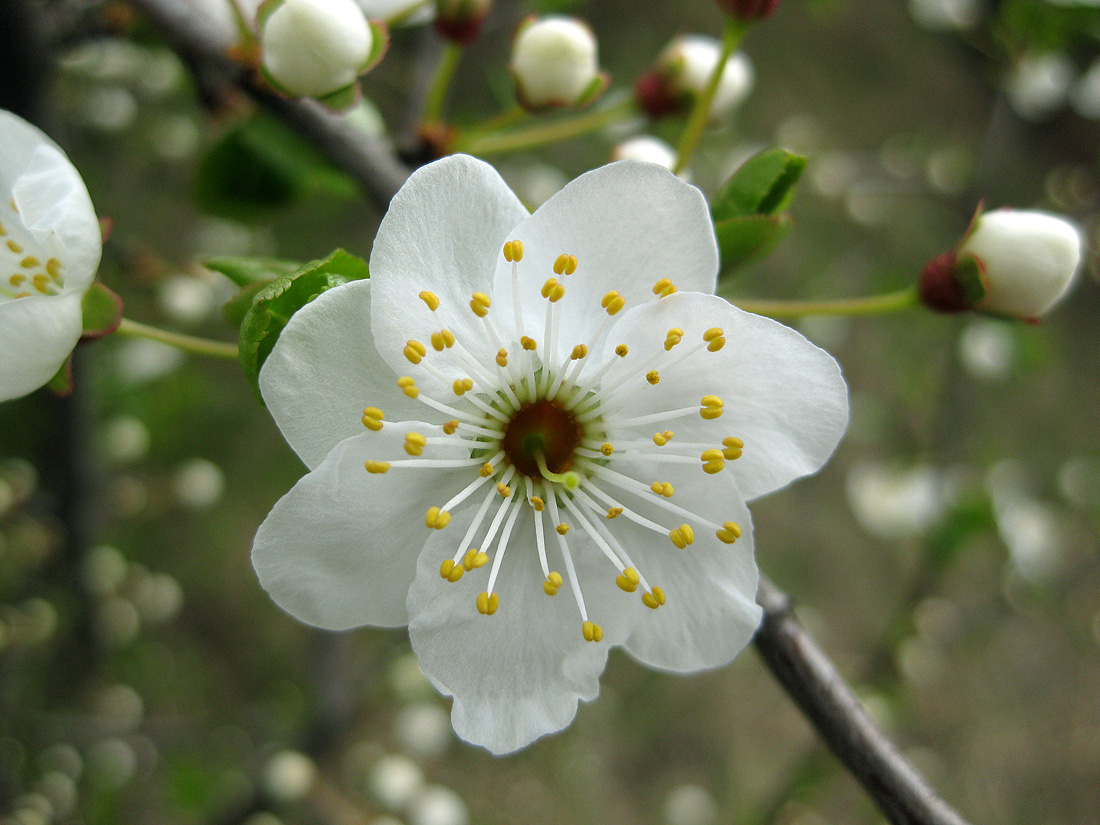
[342, 99]
[745, 238]
[970, 278]
[763, 185]
[380, 42]
[275, 304]
[101, 312]
[245, 271]
[61, 384]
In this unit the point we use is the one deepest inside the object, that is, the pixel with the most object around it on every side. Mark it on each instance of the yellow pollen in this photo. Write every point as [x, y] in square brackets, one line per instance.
[552, 290]
[621, 350]
[613, 302]
[17, 279]
[662, 488]
[415, 443]
[474, 559]
[437, 519]
[480, 304]
[41, 283]
[537, 503]
[450, 571]
[730, 532]
[408, 386]
[652, 377]
[14, 247]
[3, 231]
[661, 439]
[513, 251]
[579, 351]
[711, 407]
[562, 529]
[372, 418]
[673, 337]
[712, 333]
[504, 490]
[462, 385]
[565, 264]
[664, 288]
[682, 536]
[502, 357]
[552, 583]
[733, 447]
[614, 512]
[431, 299]
[444, 339]
[30, 262]
[628, 580]
[377, 467]
[607, 448]
[487, 603]
[592, 632]
[527, 343]
[716, 344]
[451, 426]
[53, 268]
[486, 470]
[415, 351]
[713, 461]
[654, 598]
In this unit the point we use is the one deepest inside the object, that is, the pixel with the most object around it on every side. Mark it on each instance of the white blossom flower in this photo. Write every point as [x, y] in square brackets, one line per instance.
[683, 70]
[50, 243]
[568, 414]
[645, 148]
[554, 63]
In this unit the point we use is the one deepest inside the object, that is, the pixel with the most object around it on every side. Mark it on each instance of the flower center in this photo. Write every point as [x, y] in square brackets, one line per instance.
[545, 428]
[22, 273]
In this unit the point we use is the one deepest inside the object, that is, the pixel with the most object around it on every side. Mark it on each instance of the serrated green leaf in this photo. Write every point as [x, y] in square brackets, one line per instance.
[244, 271]
[101, 311]
[763, 185]
[745, 238]
[275, 304]
[236, 308]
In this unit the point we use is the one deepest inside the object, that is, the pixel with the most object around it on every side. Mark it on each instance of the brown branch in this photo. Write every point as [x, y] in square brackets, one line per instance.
[822, 695]
[370, 160]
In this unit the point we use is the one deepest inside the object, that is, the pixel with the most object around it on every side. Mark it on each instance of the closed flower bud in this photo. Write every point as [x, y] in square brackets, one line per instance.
[645, 148]
[1011, 263]
[554, 63]
[318, 48]
[460, 21]
[748, 10]
[682, 72]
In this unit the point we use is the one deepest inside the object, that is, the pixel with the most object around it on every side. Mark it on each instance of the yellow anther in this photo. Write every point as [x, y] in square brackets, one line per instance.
[710, 407]
[415, 351]
[612, 302]
[53, 268]
[480, 304]
[673, 337]
[513, 251]
[552, 290]
[607, 448]
[30, 262]
[654, 598]
[408, 386]
[614, 512]
[486, 470]
[451, 426]
[502, 357]
[377, 467]
[552, 583]
[662, 488]
[661, 439]
[664, 288]
[14, 247]
[682, 536]
[3, 231]
[716, 344]
[592, 632]
[653, 377]
[462, 386]
[415, 443]
[450, 571]
[562, 529]
[712, 333]
[528, 343]
[437, 519]
[711, 455]
[372, 418]
[504, 490]
[474, 559]
[565, 264]
[41, 283]
[621, 350]
[730, 532]
[431, 299]
[18, 279]
[537, 503]
[732, 448]
[628, 580]
[487, 603]
[713, 467]
[579, 351]
[444, 339]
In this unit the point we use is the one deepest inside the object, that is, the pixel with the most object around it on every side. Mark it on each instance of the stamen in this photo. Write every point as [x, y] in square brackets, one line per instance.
[654, 598]
[662, 488]
[444, 339]
[528, 343]
[30, 262]
[673, 337]
[565, 264]
[487, 603]
[627, 580]
[713, 461]
[653, 377]
[377, 467]
[730, 532]
[570, 569]
[579, 351]
[733, 447]
[415, 443]
[479, 517]
[591, 631]
[607, 448]
[540, 541]
[431, 299]
[53, 268]
[415, 351]
[474, 559]
[372, 418]
[436, 518]
[480, 304]
[661, 439]
[613, 302]
[450, 426]
[462, 386]
[450, 571]
[682, 536]
[663, 288]
[552, 584]
[502, 545]
[14, 247]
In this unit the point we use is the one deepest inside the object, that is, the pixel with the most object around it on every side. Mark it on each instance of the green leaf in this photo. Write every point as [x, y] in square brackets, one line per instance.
[101, 310]
[61, 384]
[743, 239]
[763, 185]
[236, 308]
[274, 305]
[244, 271]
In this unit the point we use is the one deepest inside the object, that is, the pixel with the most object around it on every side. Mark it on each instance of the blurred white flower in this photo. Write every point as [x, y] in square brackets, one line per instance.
[50, 243]
[690, 805]
[437, 805]
[198, 483]
[647, 149]
[1038, 84]
[1085, 94]
[394, 780]
[423, 729]
[554, 63]
[891, 503]
[289, 775]
[946, 14]
[987, 349]
[683, 70]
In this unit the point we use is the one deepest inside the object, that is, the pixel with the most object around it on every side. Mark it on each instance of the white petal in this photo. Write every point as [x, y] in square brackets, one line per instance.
[629, 225]
[385, 9]
[339, 550]
[324, 370]
[784, 397]
[443, 233]
[36, 336]
[518, 674]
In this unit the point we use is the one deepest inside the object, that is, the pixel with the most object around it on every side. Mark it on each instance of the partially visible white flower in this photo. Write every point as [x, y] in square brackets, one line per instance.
[289, 775]
[645, 148]
[682, 72]
[891, 503]
[398, 12]
[1085, 94]
[50, 243]
[314, 48]
[550, 404]
[1038, 84]
[438, 805]
[946, 14]
[554, 63]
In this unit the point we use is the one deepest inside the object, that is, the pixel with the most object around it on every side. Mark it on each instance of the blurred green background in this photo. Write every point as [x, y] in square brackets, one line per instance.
[947, 556]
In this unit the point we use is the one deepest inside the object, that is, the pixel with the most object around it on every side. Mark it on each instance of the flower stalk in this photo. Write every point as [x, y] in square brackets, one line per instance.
[484, 144]
[187, 343]
[842, 307]
[441, 84]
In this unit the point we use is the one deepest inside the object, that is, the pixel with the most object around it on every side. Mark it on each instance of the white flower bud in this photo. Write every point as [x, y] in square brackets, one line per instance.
[1028, 260]
[695, 57]
[645, 148]
[554, 63]
[315, 48]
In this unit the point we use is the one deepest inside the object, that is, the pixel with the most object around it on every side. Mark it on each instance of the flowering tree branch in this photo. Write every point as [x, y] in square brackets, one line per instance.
[821, 693]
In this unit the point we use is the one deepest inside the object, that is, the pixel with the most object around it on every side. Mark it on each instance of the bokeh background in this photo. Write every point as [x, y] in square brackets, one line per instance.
[947, 557]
